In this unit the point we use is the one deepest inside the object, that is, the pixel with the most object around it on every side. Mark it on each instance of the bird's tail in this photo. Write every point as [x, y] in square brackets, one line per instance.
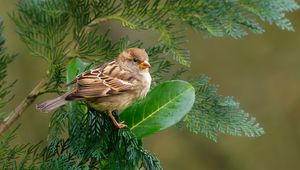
[50, 105]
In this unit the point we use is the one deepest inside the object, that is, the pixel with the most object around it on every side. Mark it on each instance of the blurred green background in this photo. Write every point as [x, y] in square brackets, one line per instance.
[261, 71]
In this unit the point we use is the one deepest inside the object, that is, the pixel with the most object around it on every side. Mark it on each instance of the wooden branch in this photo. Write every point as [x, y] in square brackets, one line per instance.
[98, 21]
[15, 114]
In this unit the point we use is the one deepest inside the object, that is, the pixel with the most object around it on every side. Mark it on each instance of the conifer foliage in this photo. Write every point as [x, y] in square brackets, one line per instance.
[69, 35]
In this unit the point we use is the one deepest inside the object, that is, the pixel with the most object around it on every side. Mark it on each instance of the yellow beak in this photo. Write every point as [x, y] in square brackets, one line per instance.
[145, 64]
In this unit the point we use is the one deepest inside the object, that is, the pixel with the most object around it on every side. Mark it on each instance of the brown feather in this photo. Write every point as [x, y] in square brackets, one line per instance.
[50, 105]
[101, 82]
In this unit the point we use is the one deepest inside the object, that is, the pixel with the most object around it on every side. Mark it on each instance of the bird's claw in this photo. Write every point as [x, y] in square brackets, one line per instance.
[121, 125]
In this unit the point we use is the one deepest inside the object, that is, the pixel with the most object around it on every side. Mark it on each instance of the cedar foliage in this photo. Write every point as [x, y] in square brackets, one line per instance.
[59, 30]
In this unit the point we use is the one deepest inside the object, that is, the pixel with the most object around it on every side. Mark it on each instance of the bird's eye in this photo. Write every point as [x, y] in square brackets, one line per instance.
[135, 60]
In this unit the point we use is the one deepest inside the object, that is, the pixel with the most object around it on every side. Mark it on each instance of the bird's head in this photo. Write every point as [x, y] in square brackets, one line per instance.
[134, 59]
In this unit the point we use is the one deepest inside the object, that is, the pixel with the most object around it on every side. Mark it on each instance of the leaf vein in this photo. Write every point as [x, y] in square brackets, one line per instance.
[160, 108]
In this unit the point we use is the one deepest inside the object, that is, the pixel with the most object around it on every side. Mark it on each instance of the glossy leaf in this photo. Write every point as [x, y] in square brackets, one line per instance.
[163, 107]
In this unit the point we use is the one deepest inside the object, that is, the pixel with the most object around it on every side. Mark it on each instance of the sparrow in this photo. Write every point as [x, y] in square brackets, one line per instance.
[111, 86]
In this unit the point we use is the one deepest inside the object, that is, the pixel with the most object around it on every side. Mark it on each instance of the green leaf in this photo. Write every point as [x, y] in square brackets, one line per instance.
[163, 107]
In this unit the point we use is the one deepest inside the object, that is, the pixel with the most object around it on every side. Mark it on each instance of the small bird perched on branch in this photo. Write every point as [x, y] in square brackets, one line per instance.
[111, 86]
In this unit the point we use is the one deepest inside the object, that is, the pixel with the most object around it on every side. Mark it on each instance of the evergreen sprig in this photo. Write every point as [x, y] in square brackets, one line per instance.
[8, 153]
[213, 114]
[22, 156]
[95, 143]
[43, 27]
[160, 65]
[234, 17]
[99, 48]
[5, 59]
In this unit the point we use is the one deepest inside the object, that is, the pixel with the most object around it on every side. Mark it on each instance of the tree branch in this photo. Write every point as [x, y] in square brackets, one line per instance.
[98, 21]
[15, 114]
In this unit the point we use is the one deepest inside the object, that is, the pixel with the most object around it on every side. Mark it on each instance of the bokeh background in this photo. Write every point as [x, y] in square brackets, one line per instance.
[261, 71]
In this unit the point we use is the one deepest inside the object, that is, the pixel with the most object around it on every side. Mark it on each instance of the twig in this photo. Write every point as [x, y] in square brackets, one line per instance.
[98, 21]
[15, 114]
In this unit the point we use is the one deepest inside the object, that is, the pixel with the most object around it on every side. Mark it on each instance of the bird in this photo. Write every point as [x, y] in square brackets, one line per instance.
[112, 86]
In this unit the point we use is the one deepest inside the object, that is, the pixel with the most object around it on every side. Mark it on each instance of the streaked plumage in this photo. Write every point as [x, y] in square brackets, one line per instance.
[111, 86]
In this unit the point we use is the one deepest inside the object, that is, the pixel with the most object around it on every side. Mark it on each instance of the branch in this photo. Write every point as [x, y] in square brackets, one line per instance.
[15, 114]
[98, 21]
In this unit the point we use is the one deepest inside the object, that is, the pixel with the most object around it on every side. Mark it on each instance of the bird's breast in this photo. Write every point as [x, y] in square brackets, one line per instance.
[115, 102]
[145, 84]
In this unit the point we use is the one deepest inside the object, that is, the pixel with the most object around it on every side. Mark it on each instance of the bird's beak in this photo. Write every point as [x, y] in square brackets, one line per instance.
[145, 64]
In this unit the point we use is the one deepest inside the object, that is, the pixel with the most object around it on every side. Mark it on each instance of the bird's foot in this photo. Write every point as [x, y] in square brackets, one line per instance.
[121, 125]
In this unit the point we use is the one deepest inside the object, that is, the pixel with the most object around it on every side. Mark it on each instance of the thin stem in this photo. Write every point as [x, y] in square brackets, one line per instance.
[99, 20]
[16, 113]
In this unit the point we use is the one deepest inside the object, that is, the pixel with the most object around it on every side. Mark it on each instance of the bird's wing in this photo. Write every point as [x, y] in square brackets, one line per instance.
[97, 69]
[108, 79]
